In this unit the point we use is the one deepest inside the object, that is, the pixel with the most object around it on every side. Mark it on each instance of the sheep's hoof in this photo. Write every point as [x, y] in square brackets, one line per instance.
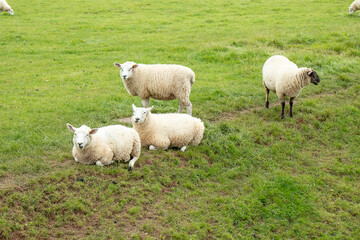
[98, 163]
[151, 147]
[183, 149]
[130, 169]
[267, 104]
[282, 116]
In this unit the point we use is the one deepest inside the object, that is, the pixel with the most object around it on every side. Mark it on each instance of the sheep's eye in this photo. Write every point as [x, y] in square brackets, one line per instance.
[75, 134]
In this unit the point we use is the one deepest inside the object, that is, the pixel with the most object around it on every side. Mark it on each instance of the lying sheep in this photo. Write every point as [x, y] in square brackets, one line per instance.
[354, 7]
[284, 78]
[106, 144]
[4, 6]
[158, 81]
[166, 130]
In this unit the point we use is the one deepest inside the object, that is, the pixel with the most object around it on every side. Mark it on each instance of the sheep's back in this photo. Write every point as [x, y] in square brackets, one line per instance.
[356, 4]
[164, 81]
[4, 5]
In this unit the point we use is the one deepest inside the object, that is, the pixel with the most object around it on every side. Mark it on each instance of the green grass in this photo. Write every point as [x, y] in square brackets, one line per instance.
[253, 176]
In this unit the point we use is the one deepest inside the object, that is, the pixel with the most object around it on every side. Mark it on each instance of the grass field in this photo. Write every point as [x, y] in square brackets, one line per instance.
[254, 176]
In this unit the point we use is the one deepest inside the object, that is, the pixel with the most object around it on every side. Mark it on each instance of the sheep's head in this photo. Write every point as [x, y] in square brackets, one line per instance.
[351, 11]
[82, 135]
[10, 11]
[139, 114]
[314, 78]
[126, 69]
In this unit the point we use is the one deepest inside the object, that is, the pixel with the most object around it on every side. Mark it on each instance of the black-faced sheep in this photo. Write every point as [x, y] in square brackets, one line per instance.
[284, 78]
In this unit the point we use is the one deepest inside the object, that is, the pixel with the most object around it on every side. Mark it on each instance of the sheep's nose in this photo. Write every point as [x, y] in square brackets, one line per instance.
[124, 76]
[137, 119]
[80, 145]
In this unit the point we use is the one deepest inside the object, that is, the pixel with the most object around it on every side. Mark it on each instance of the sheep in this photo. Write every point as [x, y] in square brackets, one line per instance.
[354, 7]
[161, 131]
[4, 6]
[106, 144]
[284, 78]
[158, 81]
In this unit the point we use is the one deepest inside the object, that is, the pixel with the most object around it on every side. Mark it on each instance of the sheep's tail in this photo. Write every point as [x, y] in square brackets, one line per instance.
[135, 153]
[199, 131]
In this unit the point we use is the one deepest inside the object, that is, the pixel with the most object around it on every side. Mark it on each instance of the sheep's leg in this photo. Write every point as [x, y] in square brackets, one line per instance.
[145, 102]
[181, 107]
[132, 162]
[106, 159]
[99, 163]
[267, 97]
[291, 106]
[187, 104]
[189, 108]
[161, 143]
[152, 147]
[282, 110]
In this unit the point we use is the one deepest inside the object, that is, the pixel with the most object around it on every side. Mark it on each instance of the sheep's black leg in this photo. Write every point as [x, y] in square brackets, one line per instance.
[291, 106]
[282, 110]
[267, 97]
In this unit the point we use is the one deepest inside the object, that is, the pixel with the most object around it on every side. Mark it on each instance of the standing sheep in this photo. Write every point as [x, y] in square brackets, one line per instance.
[4, 6]
[158, 81]
[354, 7]
[166, 130]
[106, 144]
[284, 78]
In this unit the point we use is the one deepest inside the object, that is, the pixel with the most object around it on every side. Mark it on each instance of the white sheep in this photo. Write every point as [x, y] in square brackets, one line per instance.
[106, 144]
[354, 7]
[4, 6]
[284, 78]
[167, 130]
[158, 81]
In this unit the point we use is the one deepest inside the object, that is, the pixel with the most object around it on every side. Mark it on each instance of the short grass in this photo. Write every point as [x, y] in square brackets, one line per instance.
[253, 176]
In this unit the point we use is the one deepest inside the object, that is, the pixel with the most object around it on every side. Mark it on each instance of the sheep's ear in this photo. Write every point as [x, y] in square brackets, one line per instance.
[93, 131]
[133, 107]
[117, 65]
[150, 108]
[135, 65]
[70, 127]
[310, 72]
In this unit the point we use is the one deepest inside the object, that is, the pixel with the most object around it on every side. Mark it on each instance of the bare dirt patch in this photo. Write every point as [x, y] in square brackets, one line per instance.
[15, 180]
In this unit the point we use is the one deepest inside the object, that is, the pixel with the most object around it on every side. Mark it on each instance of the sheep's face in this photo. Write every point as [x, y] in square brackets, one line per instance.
[10, 11]
[126, 69]
[82, 135]
[139, 114]
[351, 11]
[314, 78]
